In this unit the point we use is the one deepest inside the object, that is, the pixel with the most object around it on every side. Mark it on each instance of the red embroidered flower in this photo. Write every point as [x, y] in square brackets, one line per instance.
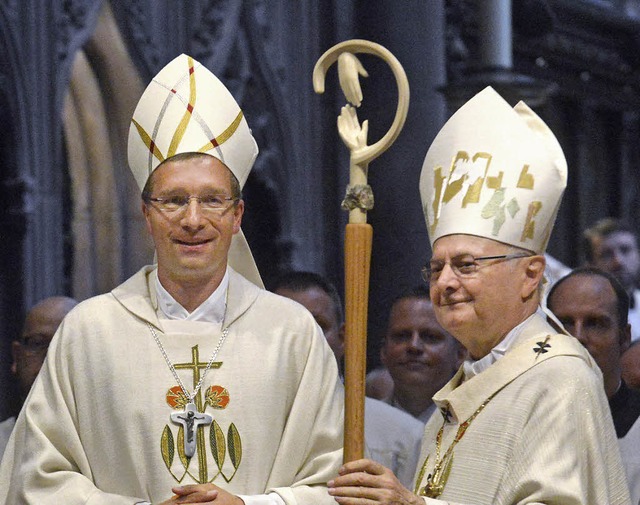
[217, 397]
[176, 398]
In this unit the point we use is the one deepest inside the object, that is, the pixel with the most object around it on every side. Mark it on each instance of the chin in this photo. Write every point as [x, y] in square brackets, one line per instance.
[196, 271]
[453, 314]
[457, 325]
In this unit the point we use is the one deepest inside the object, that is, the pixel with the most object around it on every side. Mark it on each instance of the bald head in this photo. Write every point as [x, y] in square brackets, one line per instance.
[48, 312]
[40, 325]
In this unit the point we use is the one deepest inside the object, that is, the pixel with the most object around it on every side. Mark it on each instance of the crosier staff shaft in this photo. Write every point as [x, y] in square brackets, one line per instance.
[359, 234]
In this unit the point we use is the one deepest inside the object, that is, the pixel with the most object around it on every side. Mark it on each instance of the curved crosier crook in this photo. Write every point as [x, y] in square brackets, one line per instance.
[366, 154]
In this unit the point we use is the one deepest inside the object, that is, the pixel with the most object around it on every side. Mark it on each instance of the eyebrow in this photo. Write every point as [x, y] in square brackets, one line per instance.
[471, 255]
[184, 192]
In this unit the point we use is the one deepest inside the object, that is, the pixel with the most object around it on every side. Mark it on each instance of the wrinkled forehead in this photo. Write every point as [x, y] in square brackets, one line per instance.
[461, 243]
[194, 168]
[41, 325]
[410, 312]
[587, 294]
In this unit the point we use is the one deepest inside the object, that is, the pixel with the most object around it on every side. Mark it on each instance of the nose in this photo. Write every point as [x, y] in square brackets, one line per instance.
[193, 218]
[578, 331]
[617, 259]
[415, 343]
[447, 278]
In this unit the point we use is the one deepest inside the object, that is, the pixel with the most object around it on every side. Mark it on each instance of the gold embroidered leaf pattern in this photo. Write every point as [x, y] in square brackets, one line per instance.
[453, 188]
[417, 489]
[494, 208]
[176, 399]
[235, 446]
[183, 456]
[513, 207]
[529, 227]
[526, 180]
[167, 447]
[473, 192]
[438, 183]
[218, 445]
[217, 397]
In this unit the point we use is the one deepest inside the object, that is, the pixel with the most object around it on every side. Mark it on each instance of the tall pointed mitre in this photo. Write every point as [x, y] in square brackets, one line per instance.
[496, 172]
[185, 109]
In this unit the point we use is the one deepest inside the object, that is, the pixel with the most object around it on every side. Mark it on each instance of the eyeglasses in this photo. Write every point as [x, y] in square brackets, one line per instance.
[464, 265]
[213, 204]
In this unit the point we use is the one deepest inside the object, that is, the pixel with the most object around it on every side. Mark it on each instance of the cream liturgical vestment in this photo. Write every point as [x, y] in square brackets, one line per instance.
[97, 426]
[542, 431]
[392, 438]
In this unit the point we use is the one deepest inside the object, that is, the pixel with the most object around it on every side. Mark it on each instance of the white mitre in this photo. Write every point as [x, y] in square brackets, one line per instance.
[185, 109]
[496, 172]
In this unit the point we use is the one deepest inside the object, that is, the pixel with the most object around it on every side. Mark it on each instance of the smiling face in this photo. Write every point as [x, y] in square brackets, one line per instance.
[419, 354]
[481, 309]
[192, 245]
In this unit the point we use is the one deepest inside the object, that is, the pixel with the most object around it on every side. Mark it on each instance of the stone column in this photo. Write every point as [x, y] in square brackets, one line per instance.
[494, 18]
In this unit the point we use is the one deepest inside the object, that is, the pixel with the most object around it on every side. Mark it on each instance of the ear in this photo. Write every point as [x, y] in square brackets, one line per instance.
[238, 211]
[533, 275]
[145, 212]
[383, 353]
[16, 351]
[625, 338]
[341, 332]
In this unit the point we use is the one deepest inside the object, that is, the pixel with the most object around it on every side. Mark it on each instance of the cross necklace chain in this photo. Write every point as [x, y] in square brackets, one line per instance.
[438, 477]
[190, 418]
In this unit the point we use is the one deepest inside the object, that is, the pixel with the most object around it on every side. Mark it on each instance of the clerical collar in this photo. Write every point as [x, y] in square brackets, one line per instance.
[211, 310]
[472, 367]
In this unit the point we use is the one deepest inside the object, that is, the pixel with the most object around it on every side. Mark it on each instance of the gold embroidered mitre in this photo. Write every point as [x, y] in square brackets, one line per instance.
[186, 109]
[494, 171]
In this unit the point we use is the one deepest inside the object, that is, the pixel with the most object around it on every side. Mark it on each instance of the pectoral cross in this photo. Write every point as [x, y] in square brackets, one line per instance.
[190, 419]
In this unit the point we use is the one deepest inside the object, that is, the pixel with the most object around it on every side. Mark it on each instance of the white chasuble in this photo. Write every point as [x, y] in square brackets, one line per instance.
[97, 427]
[539, 430]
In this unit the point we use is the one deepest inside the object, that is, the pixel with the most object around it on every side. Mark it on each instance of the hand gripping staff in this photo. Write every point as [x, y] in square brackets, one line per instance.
[358, 199]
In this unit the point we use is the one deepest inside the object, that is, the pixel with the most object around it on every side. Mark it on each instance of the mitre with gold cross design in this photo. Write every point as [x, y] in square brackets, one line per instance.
[185, 109]
[494, 171]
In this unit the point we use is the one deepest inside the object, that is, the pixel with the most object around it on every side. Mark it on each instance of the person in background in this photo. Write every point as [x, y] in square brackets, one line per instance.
[392, 437]
[419, 354]
[611, 245]
[526, 418]
[30, 349]
[188, 383]
[593, 306]
[631, 365]
[379, 383]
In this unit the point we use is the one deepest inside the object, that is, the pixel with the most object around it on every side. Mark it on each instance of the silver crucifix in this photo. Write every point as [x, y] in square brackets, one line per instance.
[190, 419]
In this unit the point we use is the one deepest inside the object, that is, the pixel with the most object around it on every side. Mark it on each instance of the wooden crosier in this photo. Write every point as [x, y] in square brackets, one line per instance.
[359, 234]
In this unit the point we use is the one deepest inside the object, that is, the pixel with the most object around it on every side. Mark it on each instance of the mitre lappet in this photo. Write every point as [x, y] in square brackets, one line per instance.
[185, 109]
[496, 172]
